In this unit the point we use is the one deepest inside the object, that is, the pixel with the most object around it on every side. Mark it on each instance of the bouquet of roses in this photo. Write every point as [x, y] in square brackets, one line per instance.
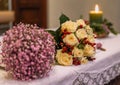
[75, 42]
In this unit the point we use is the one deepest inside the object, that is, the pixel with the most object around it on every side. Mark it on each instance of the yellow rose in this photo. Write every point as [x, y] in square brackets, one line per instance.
[84, 60]
[69, 26]
[63, 58]
[81, 22]
[91, 39]
[89, 30]
[70, 39]
[77, 52]
[89, 50]
[81, 33]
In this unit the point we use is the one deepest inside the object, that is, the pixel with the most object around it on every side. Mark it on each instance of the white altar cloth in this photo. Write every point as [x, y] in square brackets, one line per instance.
[97, 72]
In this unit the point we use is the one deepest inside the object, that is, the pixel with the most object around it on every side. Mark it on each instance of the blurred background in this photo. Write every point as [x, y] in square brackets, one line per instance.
[75, 8]
[45, 13]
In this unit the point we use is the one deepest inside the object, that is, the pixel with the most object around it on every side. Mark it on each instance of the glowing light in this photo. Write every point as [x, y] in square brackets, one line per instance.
[96, 8]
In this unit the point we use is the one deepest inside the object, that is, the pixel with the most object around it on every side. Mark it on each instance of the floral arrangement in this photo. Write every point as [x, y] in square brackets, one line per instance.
[103, 29]
[28, 52]
[75, 42]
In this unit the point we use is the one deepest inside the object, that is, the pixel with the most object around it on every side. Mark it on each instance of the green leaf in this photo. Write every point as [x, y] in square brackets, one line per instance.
[105, 20]
[109, 24]
[113, 31]
[97, 28]
[58, 35]
[63, 18]
[80, 46]
[53, 33]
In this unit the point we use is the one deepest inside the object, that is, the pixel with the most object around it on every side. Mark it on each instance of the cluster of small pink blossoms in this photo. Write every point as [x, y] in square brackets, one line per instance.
[28, 52]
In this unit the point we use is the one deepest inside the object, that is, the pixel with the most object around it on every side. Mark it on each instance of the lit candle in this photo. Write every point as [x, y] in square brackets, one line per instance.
[96, 15]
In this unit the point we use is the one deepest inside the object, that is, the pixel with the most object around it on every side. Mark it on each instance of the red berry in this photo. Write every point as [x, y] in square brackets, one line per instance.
[64, 49]
[65, 30]
[61, 44]
[85, 42]
[81, 26]
[70, 53]
[76, 61]
[93, 58]
[92, 44]
[71, 47]
[86, 22]
[63, 36]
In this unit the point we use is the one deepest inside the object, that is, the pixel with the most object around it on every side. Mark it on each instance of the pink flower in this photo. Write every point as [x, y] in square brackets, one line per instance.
[28, 52]
[98, 45]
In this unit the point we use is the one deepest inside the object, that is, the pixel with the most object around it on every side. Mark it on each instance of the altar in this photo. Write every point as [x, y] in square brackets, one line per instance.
[99, 72]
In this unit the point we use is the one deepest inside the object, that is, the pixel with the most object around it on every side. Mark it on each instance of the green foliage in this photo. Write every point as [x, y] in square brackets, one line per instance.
[97, 28]
[110, 26]
[104, 27]
[63, 18]
[81, 46]
[57, 34]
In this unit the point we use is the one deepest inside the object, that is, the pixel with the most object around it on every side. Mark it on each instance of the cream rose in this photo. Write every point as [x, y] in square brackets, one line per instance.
[77, 52]
[81, 22]
[84, 60]
[91, 39]
[89, 51]
[81, 33]
[69, 26]
[64, 58]
[70, 39]
[89, 30]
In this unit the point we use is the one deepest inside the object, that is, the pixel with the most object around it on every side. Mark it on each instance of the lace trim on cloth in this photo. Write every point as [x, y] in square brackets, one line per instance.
[100, 78]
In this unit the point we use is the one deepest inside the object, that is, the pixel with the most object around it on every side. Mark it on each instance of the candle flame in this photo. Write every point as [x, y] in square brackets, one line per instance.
[96, 8]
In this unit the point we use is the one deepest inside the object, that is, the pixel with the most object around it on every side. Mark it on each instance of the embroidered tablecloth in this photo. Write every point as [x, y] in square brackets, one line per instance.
[98, 72]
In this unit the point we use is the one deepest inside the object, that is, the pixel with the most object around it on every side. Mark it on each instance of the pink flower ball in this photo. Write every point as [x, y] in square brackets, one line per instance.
[28, 52]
